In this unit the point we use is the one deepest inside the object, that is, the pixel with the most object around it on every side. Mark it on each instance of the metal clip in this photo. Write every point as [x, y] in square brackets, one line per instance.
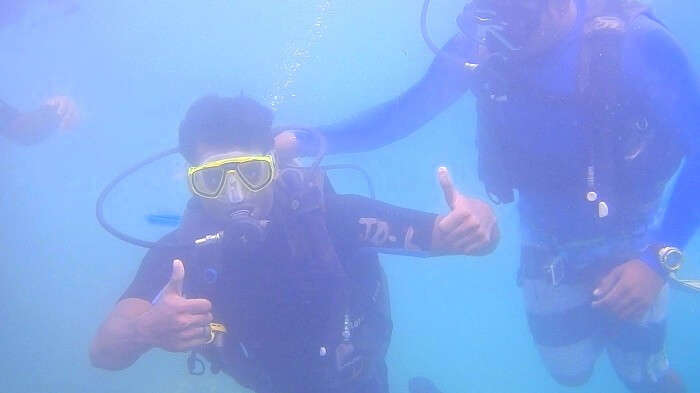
[215, 332]
[556, 271]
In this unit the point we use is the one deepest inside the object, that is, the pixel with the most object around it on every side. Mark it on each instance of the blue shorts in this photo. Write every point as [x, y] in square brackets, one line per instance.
[570, 335]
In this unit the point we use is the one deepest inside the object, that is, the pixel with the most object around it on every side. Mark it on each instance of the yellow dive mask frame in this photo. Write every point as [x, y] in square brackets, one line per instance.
[254, 172]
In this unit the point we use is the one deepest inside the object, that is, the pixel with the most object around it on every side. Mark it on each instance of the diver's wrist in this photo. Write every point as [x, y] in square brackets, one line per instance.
[663, 259]
[653, 264]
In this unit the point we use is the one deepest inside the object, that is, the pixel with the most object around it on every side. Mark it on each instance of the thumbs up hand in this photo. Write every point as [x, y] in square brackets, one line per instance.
[469, 228]
[175, 323]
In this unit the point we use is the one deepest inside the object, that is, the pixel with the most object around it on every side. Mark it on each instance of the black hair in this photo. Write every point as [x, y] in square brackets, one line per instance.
[225, 122]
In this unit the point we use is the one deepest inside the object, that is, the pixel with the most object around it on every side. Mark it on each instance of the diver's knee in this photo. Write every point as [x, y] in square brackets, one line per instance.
[572, 380]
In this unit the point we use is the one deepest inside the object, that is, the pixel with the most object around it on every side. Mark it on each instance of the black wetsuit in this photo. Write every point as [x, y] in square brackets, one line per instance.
[286, 312]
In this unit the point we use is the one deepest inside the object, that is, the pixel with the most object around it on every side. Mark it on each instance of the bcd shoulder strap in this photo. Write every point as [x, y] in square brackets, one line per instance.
[604, 94]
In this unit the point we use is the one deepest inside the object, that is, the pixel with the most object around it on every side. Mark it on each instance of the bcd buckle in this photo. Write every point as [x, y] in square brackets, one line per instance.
[556, 271]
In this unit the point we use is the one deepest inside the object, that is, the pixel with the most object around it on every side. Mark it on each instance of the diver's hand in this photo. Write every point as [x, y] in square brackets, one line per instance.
[296, 142]
[470, 228]
[35, 126]
[66, 110]
[174, 323]
[287, 145]
[629, 290]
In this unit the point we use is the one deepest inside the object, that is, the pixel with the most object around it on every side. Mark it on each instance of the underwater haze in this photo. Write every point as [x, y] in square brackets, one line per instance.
[134, 67]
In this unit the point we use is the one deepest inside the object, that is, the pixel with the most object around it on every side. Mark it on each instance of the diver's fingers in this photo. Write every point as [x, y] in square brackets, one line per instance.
[188, 345]
[476, 242]
[174, 286]
[608, 283]
[612, 301]
[193, 320]
[52, 102]
[58, 103]
[60, 108]
[448, 188]
[453, 220]
[195, 333]
[472, 249]
[465, 244]
[70, 115]
[195, 306]
[460, 236]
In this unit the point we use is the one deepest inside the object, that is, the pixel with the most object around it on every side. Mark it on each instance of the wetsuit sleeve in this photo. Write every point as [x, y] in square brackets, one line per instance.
[673, 90]
[153, 274]
[445, 82]
[7, 115]
[358, 222]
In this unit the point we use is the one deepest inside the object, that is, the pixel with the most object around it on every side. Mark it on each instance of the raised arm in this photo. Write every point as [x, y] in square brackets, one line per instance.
[33, 127]
[147, 318]
[446, 81]
[469, 228]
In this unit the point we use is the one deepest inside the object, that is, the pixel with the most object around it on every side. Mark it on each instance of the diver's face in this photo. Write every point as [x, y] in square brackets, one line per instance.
[557, 19]
[517, 26]
[236, 195]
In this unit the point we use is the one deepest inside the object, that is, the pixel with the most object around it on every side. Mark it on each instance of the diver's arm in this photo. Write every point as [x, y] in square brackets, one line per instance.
[445, 82]
[59, 112]
[679, 97]
[674, 92]
[363, 222]
[152, 315]
[119, 342]
[682, 217]
[33, 127]
[468, 229]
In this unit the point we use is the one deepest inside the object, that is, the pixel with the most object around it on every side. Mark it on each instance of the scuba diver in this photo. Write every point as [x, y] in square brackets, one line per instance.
[57, 113]
[586, 108]
[272, 276]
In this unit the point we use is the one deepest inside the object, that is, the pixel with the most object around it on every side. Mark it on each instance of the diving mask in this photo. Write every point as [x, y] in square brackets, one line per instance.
[213, 178]
[503, 26]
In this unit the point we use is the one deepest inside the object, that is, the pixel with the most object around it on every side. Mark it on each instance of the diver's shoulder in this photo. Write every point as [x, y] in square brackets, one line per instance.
[165, 249]
[649, 41]
[648, 31]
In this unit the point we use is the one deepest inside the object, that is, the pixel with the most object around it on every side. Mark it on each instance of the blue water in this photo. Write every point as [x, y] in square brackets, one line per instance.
[134, 67]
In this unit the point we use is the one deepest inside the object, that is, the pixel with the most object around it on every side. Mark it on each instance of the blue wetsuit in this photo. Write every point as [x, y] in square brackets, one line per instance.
[568, 332]
[651, 58]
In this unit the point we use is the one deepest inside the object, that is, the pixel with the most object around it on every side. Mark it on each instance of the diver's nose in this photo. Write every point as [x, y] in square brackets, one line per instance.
[234, 189]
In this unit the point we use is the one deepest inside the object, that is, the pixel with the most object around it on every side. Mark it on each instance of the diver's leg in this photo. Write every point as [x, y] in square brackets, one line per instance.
[564, 327]
[637, 353]
[376, 382]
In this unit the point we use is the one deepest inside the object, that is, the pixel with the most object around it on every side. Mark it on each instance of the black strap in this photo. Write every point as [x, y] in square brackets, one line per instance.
[600, 91]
